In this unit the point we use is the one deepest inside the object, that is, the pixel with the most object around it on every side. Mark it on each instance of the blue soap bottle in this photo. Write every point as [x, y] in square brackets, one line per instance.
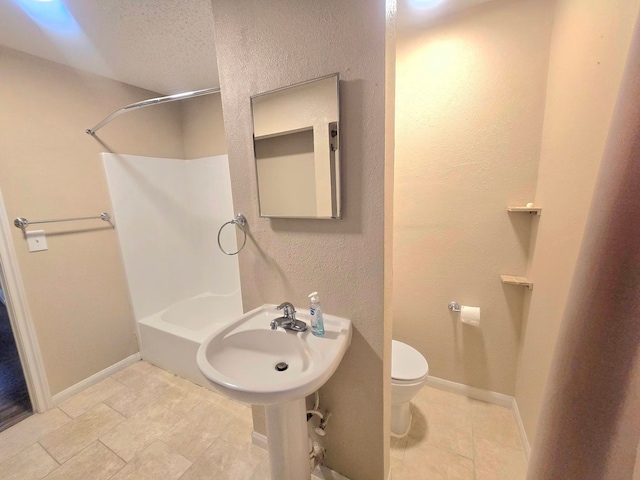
[317, 322]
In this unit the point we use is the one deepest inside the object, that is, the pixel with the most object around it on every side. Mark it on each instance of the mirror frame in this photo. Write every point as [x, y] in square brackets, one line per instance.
[335, 167]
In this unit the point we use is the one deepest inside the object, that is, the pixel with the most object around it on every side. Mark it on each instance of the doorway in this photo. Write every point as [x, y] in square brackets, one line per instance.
[15, 404]
[17, 325]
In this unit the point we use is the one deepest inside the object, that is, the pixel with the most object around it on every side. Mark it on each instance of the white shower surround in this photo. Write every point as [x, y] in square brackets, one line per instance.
[167, 214]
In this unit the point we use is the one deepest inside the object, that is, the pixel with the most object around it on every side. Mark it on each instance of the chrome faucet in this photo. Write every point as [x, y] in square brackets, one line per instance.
[289, 320]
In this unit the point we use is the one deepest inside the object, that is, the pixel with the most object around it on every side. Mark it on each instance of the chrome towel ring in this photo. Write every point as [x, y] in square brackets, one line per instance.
[240, 221]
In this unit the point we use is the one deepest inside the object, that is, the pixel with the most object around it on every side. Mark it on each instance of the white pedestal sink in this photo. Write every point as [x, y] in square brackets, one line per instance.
[240, 361]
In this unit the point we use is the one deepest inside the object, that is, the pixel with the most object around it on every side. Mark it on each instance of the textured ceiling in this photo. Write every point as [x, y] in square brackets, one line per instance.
[166, 46]
[418, 14]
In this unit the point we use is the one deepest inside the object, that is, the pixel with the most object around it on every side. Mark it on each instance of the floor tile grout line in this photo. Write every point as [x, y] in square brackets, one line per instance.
[445, 448]
[118, 456]
[37, 440]
[158, 395]
[501, 444]
[61, 405]
[126, 463]
[113, 378]
[154, 398]
[146, 445]
[72, 419]
[185, 472]
[48, 453]
[441, 404]
[80, 452]
[151, 400]
[473, 440]
[107, 447]
[449, 405]
[138, 453]
[173, 450]
[470, 415]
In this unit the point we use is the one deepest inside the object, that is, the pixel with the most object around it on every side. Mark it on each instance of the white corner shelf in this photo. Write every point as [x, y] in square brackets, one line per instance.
[514, 280]
[520, 209]
[283, 133]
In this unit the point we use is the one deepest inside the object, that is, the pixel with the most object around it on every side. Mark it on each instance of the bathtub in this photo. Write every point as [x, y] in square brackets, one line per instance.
[170, 338]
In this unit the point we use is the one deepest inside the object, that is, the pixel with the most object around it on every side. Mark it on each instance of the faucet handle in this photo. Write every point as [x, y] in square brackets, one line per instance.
[273, 325]
[289, 309]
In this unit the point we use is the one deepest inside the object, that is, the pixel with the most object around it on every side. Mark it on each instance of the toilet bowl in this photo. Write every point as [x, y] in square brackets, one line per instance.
[409, 371]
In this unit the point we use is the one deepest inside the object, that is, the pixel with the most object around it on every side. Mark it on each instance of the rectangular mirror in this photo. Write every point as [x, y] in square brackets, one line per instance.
[295, 142]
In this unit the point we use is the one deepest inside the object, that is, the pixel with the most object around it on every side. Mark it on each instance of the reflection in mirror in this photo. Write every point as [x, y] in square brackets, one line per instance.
[295, 131]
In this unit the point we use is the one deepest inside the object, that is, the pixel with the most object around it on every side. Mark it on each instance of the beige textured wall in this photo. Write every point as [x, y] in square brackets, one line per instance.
[469, 111]
[589, 47]
[389, 185]
[51, 169]
[203, 127]
[264, 46]
[590, 422]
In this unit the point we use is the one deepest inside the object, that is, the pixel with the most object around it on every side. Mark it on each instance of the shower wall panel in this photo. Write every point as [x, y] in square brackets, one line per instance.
[167, 214]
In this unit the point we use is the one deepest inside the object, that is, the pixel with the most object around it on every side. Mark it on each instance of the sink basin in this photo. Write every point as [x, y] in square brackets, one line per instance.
[247, 361]
[240, 359]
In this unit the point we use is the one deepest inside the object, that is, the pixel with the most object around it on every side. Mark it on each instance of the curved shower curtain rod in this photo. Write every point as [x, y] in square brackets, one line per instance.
[148, 103]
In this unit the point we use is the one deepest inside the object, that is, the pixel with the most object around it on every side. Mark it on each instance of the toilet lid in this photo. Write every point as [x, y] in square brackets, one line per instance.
[407, 363]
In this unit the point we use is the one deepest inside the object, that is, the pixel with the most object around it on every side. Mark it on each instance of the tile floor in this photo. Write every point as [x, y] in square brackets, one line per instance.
[140, 423]
[143, 423]
[456, 438]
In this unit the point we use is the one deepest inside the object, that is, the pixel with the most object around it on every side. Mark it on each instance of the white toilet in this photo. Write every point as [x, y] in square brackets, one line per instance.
[409, 371]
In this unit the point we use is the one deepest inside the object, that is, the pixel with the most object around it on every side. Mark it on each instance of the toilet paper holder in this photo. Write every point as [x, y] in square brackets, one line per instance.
[454, 307]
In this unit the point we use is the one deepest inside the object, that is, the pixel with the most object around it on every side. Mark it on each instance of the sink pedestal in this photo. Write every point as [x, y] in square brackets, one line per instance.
[288, 440]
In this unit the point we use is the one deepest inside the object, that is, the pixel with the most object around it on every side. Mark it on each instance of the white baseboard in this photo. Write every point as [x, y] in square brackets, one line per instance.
[58, 398]
[523, 433]
[323, 473]
[485, 396]
[471, 392]
[259, 440]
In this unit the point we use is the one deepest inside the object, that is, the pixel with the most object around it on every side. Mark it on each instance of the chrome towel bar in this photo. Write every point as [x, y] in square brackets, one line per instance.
[23, 223]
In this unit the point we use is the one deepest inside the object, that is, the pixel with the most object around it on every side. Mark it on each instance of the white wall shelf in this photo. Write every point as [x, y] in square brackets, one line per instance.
[281, 134]
[514, 280]
[521, 209]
